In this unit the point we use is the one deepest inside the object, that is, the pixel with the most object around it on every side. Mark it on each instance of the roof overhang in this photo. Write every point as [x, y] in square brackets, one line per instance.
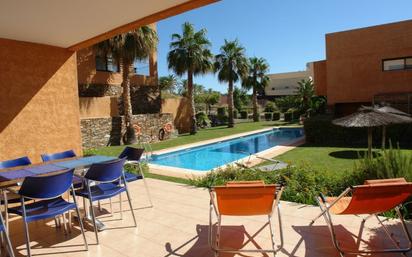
[77, 24]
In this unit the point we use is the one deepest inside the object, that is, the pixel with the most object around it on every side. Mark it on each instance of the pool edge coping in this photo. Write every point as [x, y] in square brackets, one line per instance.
[249, 161]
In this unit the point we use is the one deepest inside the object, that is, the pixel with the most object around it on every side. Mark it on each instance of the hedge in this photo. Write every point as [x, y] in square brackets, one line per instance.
[268, 116]
[320, 130]
[276, 116]
[243, 114]
[221, 111]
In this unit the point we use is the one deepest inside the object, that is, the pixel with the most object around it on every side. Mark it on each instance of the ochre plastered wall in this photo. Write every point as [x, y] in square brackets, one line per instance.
[354, 62]
[180, 109]
[98, 107]
[319, 78]
[39, 106]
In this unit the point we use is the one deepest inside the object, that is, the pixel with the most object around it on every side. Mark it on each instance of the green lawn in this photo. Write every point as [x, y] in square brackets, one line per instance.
[337, 159]
[203, 134]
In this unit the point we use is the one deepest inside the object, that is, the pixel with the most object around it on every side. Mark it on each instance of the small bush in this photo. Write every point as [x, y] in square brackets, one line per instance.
[276, 116]
[268, 116]
[391, 163]
[221, 111]
[270, 107]
[303, 183]
[243, 114]
[235, 114]
[202, 120]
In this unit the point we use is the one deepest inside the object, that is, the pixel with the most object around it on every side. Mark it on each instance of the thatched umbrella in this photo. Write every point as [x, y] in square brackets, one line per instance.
[367, 117]
[403, 118]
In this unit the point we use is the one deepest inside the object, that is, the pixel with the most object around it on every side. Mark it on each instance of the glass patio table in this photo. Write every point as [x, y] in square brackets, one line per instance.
[11, 177]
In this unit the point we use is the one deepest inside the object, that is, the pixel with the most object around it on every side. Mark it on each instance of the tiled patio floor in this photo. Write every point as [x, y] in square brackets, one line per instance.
[177, 226]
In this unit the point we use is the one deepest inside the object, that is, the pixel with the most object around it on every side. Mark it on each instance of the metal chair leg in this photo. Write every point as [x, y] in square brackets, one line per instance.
[94, 221]
[111, 206]
[120, 205]
[145, 185]
[26, 227]
[100, 206]
[9, 245]
[81, 227]
[130, 205]
[92, 212]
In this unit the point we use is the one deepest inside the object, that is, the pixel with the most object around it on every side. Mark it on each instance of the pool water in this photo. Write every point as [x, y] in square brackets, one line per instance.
[210, 156]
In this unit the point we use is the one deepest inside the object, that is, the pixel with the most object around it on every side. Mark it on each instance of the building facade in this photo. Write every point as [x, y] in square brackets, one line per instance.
[365, 66]
[284, 84]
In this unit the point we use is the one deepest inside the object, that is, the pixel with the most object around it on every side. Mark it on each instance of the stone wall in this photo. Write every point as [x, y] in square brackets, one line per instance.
[100, 132]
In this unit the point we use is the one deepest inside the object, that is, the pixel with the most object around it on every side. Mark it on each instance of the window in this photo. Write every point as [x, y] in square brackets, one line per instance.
[397, 64]
[106, 64]
[408, 63]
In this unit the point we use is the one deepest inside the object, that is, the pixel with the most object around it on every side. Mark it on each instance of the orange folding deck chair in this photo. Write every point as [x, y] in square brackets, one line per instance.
[371, 198]
[244, 198]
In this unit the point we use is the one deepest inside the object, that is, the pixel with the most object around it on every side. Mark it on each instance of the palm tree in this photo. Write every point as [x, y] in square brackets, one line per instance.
[231, 66]
[169, 83]
[306, 91]
[126, 49]
[190, 54]
[256, 80]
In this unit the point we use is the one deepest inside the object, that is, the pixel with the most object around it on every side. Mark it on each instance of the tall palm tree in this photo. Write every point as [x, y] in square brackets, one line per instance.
[231, 66]
[190, 54]
[126, 49]
[257, 80]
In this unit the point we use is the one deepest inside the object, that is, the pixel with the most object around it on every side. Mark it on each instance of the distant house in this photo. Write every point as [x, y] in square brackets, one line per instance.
[284, 84]
[365, 66]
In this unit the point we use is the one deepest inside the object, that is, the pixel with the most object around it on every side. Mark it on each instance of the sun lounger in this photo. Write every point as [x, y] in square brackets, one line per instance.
[243, 199]
[372, 198]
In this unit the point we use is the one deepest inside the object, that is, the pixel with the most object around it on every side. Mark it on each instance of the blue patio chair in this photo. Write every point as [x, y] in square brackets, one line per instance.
[22, 161]
[133, 157]
[47, 191]
[77, 182]
[100, 184]
[7, 196]
[5, 234]
[58, 156]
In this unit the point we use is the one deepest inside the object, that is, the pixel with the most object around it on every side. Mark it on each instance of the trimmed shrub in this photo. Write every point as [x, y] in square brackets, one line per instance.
[221, 111]
[235, 114]
[243, 114]
[288, 116]
[268, 116]
[320, 130]
[276, 116]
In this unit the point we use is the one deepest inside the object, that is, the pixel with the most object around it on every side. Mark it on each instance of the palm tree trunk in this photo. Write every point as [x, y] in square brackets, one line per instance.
[255, 106]
[130, 135]
[230, 104]
[190, 92]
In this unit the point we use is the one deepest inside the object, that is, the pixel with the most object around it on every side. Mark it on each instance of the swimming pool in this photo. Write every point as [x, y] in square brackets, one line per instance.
[214, 155]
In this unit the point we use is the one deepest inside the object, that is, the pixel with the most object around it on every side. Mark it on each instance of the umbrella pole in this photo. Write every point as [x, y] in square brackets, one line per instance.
[370, 142]
[383, 137]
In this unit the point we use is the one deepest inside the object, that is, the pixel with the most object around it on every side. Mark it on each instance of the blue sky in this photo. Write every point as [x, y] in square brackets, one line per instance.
[287, 33]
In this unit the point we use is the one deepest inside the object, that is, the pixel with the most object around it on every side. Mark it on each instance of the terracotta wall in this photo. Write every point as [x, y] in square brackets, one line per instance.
[354, 62]
[39, 106]
[320, 78]
[98, 107]
[87, 73]
[180, 109]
